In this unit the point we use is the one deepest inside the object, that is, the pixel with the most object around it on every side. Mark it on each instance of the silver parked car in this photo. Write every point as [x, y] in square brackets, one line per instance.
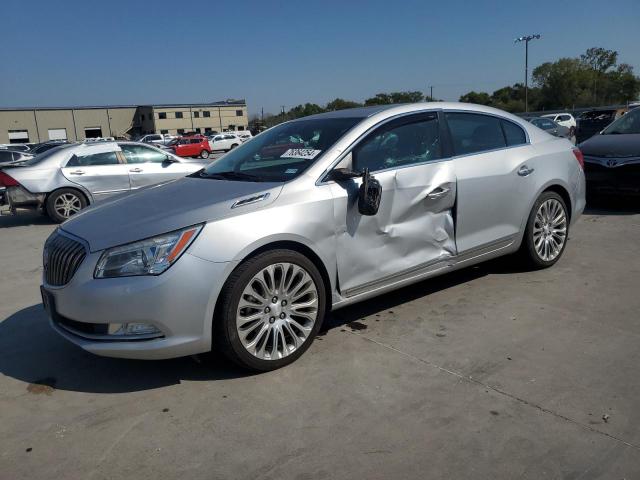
[66, 179]
[247, 255]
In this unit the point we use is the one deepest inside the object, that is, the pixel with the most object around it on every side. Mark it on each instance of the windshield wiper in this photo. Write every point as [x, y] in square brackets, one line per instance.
[231, 176]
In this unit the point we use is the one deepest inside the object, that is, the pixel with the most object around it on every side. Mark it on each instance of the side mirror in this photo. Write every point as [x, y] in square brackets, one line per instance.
[170, 160]
[369, 195]
[342, 174]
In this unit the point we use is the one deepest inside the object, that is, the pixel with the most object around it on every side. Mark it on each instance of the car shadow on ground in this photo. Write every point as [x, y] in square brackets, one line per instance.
[31, 351]
[35, 354]
[24, 219]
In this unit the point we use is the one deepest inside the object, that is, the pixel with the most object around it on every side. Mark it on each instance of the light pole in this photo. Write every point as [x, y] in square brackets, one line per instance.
[526, 39]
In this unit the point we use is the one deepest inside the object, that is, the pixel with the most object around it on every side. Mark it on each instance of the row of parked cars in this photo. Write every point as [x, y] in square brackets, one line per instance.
[197, 145]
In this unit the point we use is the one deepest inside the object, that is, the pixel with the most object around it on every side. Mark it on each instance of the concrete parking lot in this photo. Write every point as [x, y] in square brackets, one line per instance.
[487, 373]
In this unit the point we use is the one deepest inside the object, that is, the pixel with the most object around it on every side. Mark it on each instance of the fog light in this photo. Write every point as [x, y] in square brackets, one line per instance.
[133, 329]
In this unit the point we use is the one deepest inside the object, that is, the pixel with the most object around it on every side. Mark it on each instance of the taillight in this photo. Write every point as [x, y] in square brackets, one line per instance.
[579, 157]
[7, 181]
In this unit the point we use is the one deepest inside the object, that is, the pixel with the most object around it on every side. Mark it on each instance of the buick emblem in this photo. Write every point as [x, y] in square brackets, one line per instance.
[612, 163]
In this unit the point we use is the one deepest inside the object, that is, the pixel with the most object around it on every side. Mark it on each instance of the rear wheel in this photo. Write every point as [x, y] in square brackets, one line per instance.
[64, 203]
[547, 231]
[204, 154]
[270, 310]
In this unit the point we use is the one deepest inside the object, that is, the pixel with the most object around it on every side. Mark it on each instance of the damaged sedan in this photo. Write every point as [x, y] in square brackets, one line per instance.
[247, 255]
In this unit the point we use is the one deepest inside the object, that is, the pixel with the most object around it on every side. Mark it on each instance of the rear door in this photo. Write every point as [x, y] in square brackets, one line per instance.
[148, 166]
[414, 225]
[99, 170]
[495, 183]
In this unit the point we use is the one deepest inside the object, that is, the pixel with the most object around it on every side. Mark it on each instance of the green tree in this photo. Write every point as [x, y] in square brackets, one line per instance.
[341, 104]
[479, 98]
[395, 97]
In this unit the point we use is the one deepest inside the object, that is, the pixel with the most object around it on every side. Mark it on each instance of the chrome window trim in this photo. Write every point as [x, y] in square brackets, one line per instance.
[350, 148]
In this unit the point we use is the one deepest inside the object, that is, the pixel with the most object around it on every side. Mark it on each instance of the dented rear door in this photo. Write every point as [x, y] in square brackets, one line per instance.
[414, 226]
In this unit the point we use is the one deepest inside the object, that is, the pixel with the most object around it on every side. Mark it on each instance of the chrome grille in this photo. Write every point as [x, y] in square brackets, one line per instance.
[62, 257]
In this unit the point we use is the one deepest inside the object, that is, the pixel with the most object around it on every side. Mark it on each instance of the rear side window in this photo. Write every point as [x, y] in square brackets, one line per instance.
[102, 158]
[139, 154]
[513, 133]
[473, 133]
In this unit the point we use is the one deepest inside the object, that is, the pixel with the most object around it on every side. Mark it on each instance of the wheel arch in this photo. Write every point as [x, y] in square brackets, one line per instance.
[564, 193]
[297, 247]
[77, 188]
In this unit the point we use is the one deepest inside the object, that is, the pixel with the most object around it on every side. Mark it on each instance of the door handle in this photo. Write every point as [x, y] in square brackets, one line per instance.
[524, 171]
[136, 170]
[77, 172]
[438, 193]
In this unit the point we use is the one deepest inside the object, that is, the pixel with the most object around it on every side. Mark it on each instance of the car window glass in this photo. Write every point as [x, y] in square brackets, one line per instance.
[183, 141]
[398, 146]
[513, 133]
[196, 140]
[229, 137]
[139, 154]
[627, 124]
[219, 137]
[102, 158]
[472, 133]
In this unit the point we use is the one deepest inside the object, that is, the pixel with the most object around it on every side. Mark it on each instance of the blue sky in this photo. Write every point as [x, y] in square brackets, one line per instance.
[289, 52]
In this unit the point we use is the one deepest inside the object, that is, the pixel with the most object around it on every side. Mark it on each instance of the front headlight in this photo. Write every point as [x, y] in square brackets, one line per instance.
[146, 257]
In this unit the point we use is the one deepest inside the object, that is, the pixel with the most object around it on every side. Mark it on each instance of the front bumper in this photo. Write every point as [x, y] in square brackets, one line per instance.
[621, 179]
[180, 303]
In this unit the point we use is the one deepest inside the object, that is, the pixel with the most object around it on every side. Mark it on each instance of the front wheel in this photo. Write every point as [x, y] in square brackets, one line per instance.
[204, 154]
[64, 203]
[547, 231]
[271, 308]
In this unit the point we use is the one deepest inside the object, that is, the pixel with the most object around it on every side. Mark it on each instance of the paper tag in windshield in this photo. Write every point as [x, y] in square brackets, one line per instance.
[305, 153]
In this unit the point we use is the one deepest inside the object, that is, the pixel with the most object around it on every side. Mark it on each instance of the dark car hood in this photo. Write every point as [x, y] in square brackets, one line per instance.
[164, 208]
[612, 146]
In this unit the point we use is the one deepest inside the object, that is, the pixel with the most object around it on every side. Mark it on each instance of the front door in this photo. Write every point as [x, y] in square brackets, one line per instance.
[98, 170]
[414, 226]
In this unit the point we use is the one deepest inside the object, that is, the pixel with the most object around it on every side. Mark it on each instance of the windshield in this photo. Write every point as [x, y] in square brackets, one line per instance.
[627, 124]
[280, 153]
[43, 156]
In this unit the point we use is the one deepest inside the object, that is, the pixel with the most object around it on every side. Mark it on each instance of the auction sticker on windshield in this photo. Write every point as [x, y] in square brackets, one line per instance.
[306, 153]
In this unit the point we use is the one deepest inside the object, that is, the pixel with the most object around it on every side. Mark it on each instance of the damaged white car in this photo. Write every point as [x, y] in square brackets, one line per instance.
[248, 254]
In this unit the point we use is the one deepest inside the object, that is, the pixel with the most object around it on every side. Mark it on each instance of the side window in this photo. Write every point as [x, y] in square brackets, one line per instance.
[229, 137]
[399, 145]
[472, 132]
[196, 140]
[218, 138]
[102, 158]
[513, 133]
[138, 154]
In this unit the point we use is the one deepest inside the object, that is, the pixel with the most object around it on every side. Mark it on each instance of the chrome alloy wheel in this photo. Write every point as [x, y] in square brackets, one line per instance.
[277, 311]
[67, 204]
[550, 229]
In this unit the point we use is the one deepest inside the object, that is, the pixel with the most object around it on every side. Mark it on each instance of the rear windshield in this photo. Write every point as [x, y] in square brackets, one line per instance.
[598, 115]
[43, 156]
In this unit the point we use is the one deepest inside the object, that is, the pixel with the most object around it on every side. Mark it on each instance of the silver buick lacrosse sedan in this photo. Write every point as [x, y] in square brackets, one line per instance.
[247, 255]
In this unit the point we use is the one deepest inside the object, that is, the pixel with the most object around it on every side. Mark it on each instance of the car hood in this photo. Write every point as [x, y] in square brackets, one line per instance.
[612, 146]
[163, 208]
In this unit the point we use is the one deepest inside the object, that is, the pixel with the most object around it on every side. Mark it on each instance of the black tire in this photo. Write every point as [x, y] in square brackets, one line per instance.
[225, 335]
[204, 154]
[54, 212]
[528, 251]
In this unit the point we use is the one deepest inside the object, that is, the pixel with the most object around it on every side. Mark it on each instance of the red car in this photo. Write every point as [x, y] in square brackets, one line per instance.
[194, 146]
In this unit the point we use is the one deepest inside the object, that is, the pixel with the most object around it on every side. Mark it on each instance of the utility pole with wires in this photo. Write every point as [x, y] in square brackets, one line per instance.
[526, 39]
[431, 93]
